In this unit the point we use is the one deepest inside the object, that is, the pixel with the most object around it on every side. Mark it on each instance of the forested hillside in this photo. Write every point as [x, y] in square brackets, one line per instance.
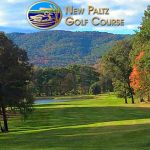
[60, 48]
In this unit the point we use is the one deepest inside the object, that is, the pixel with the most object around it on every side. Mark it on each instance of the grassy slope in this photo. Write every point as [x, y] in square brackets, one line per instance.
[99, 123]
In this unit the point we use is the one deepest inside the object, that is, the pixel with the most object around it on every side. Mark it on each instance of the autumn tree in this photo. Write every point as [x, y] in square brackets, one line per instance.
[140, 58]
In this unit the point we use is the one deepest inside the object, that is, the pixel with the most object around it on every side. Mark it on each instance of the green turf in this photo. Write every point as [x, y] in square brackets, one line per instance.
[86, 123]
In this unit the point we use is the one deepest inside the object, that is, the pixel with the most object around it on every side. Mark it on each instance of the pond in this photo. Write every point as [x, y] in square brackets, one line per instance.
[47, 101]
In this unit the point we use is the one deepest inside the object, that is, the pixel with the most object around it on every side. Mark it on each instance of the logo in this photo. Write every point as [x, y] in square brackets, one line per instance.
[44, 15]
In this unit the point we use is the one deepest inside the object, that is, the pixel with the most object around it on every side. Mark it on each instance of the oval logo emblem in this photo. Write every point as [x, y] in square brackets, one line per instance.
[44, 15]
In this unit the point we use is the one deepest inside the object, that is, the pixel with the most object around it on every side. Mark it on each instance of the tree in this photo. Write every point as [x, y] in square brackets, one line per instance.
[121, 89]
[15, 77]
[105, 78]
[95, 88]
[140, 58]
[74, 79]
[118, 66]
[87, 76]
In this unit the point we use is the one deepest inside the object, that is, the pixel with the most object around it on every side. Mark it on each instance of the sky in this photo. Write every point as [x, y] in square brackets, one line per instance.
[13, 15]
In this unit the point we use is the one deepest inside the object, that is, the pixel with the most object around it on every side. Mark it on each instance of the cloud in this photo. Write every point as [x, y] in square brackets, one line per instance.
[133, 26]
[15, 1]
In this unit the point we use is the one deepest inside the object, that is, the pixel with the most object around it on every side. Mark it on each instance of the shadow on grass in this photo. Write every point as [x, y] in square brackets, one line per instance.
[49, 118]
[113, 137]
[82, 128]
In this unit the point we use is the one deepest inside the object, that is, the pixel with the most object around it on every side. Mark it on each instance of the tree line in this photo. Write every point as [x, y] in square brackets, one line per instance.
[128, 64]
[71, 80]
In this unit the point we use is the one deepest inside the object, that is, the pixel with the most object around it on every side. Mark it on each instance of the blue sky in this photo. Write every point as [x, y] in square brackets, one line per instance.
[13, 15]
[44, 4]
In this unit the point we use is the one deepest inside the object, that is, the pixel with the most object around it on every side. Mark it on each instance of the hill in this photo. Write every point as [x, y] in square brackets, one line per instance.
[60, 48]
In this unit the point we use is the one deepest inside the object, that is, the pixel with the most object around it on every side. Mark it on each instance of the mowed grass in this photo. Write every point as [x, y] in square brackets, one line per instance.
[101, 122]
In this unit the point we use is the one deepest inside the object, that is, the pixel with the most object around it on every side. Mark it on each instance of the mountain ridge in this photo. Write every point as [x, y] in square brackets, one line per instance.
[58, 48]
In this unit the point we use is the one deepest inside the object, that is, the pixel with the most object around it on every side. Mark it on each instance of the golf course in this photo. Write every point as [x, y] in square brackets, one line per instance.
[101, 122]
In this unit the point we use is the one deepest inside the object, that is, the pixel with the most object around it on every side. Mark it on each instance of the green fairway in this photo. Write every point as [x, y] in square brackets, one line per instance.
[101, 122]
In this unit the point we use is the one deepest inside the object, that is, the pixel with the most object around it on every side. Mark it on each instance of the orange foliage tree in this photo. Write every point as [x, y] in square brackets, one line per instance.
[136, 74]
